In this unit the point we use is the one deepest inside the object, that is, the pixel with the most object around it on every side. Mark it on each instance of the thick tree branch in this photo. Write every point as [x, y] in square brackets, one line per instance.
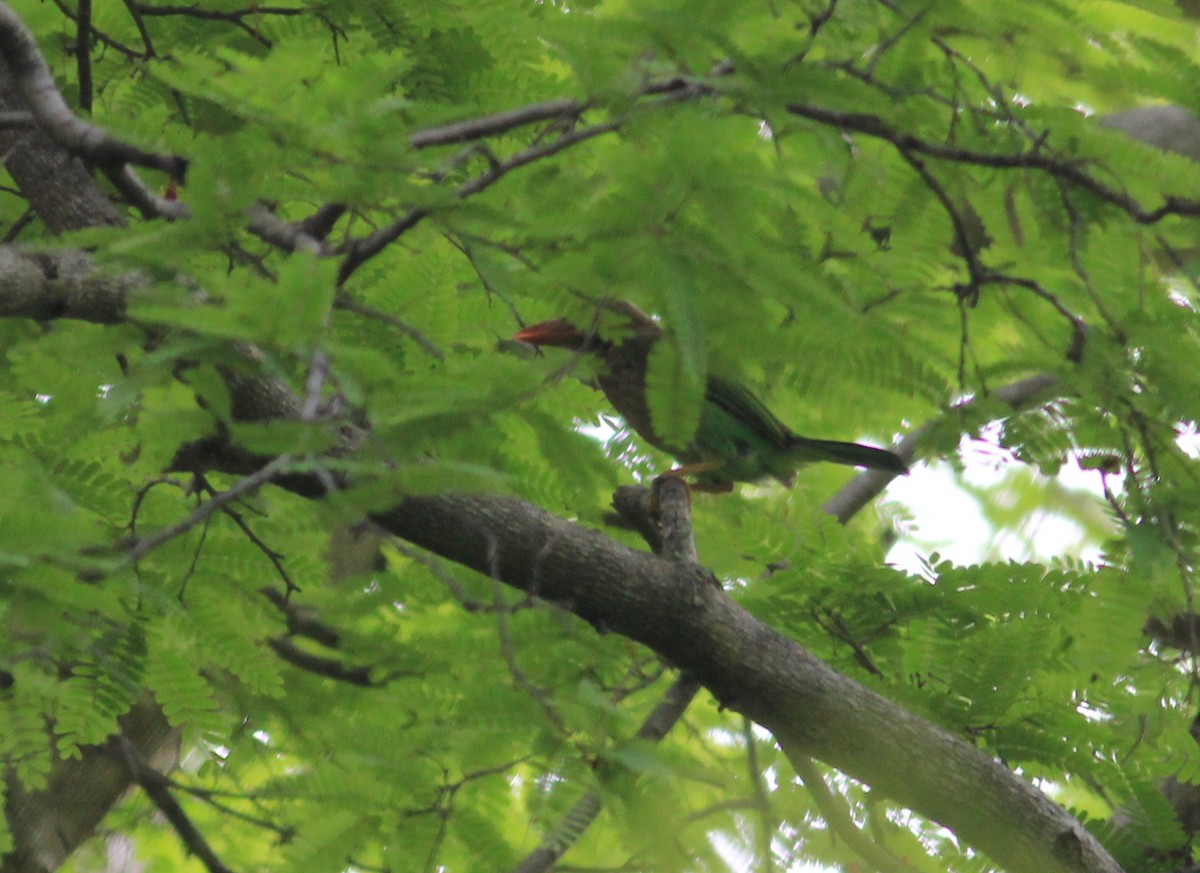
[62, 284]
[59, 190]
[33, 79]
[677, 611]
[48, 825]
[811, 709]
[671, 607]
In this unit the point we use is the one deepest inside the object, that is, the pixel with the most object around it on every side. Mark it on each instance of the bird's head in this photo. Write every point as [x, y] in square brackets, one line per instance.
[557, 332]
[616, 316]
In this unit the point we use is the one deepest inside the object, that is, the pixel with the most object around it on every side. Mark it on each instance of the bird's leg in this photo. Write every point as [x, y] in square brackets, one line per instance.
[700, 467]
[715, 488]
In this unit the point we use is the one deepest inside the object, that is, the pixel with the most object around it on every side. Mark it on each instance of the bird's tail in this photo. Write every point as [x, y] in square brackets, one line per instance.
[807, 450]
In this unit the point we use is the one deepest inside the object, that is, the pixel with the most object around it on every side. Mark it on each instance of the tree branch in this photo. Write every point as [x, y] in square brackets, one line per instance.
[497, 123]
[669, 606]
[48, 825]
[1031, 159]
[269, 471]
[676, 611]
[675, 541]
[158, 789]
[841, 822]
[33, 79]
[320, 665]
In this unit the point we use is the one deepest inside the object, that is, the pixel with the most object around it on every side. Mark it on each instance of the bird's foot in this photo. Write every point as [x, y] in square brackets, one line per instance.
[714, 487]
[694, 469]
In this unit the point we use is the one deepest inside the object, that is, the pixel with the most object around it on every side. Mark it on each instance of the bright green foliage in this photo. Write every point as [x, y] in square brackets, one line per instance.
[838, 218]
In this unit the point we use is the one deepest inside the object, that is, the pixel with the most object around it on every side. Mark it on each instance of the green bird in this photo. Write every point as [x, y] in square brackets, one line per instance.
[737, 440]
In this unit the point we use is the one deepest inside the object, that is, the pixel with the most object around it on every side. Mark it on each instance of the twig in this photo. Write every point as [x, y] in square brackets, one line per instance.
[821, 18]
[835, 626]
[276, 558]
[498, 123]
[469, 603]
[136, 14]
[443, 806]
[158, 789]
[205, 795]
[678, 544]
[463, 246]
[1075, 224]
[348, 304]
[330, 668]
[838, 817]
[195, 10]
[868, 485]
[1034, 158]
[83, 54]
[762, 803]
[539, 695]
[144, 546]
[966, 248]
[100, 36]
[361, 250]
[892, 39]
[235, 17]
[300, 621]
[583, 812]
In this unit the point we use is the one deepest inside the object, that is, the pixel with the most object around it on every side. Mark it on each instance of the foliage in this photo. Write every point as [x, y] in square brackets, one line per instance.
[868, 211]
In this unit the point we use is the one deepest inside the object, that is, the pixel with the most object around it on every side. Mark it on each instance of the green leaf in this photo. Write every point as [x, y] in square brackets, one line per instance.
[674, 393]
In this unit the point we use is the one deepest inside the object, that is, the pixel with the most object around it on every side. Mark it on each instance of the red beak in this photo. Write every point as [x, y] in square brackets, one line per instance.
[556, 332]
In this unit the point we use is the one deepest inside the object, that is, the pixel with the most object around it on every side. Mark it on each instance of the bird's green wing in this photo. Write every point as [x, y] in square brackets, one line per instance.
[743, 406]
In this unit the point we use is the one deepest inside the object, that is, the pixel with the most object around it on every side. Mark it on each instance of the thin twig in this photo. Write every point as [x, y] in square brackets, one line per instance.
[300, 620]
[144, 546]
[329, 668]
[212, 799]
[1034, 158]
[361, 250]
[836, 814]
[276, 558]
[469, 603]
[497, 123]
[83, 54]
[762, 803]
[348, 304]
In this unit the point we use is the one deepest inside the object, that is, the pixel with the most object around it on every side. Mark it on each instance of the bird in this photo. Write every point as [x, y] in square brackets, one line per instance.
[738, 439]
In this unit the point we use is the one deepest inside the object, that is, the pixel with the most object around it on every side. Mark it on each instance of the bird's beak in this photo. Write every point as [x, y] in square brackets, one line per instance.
[556, 332]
